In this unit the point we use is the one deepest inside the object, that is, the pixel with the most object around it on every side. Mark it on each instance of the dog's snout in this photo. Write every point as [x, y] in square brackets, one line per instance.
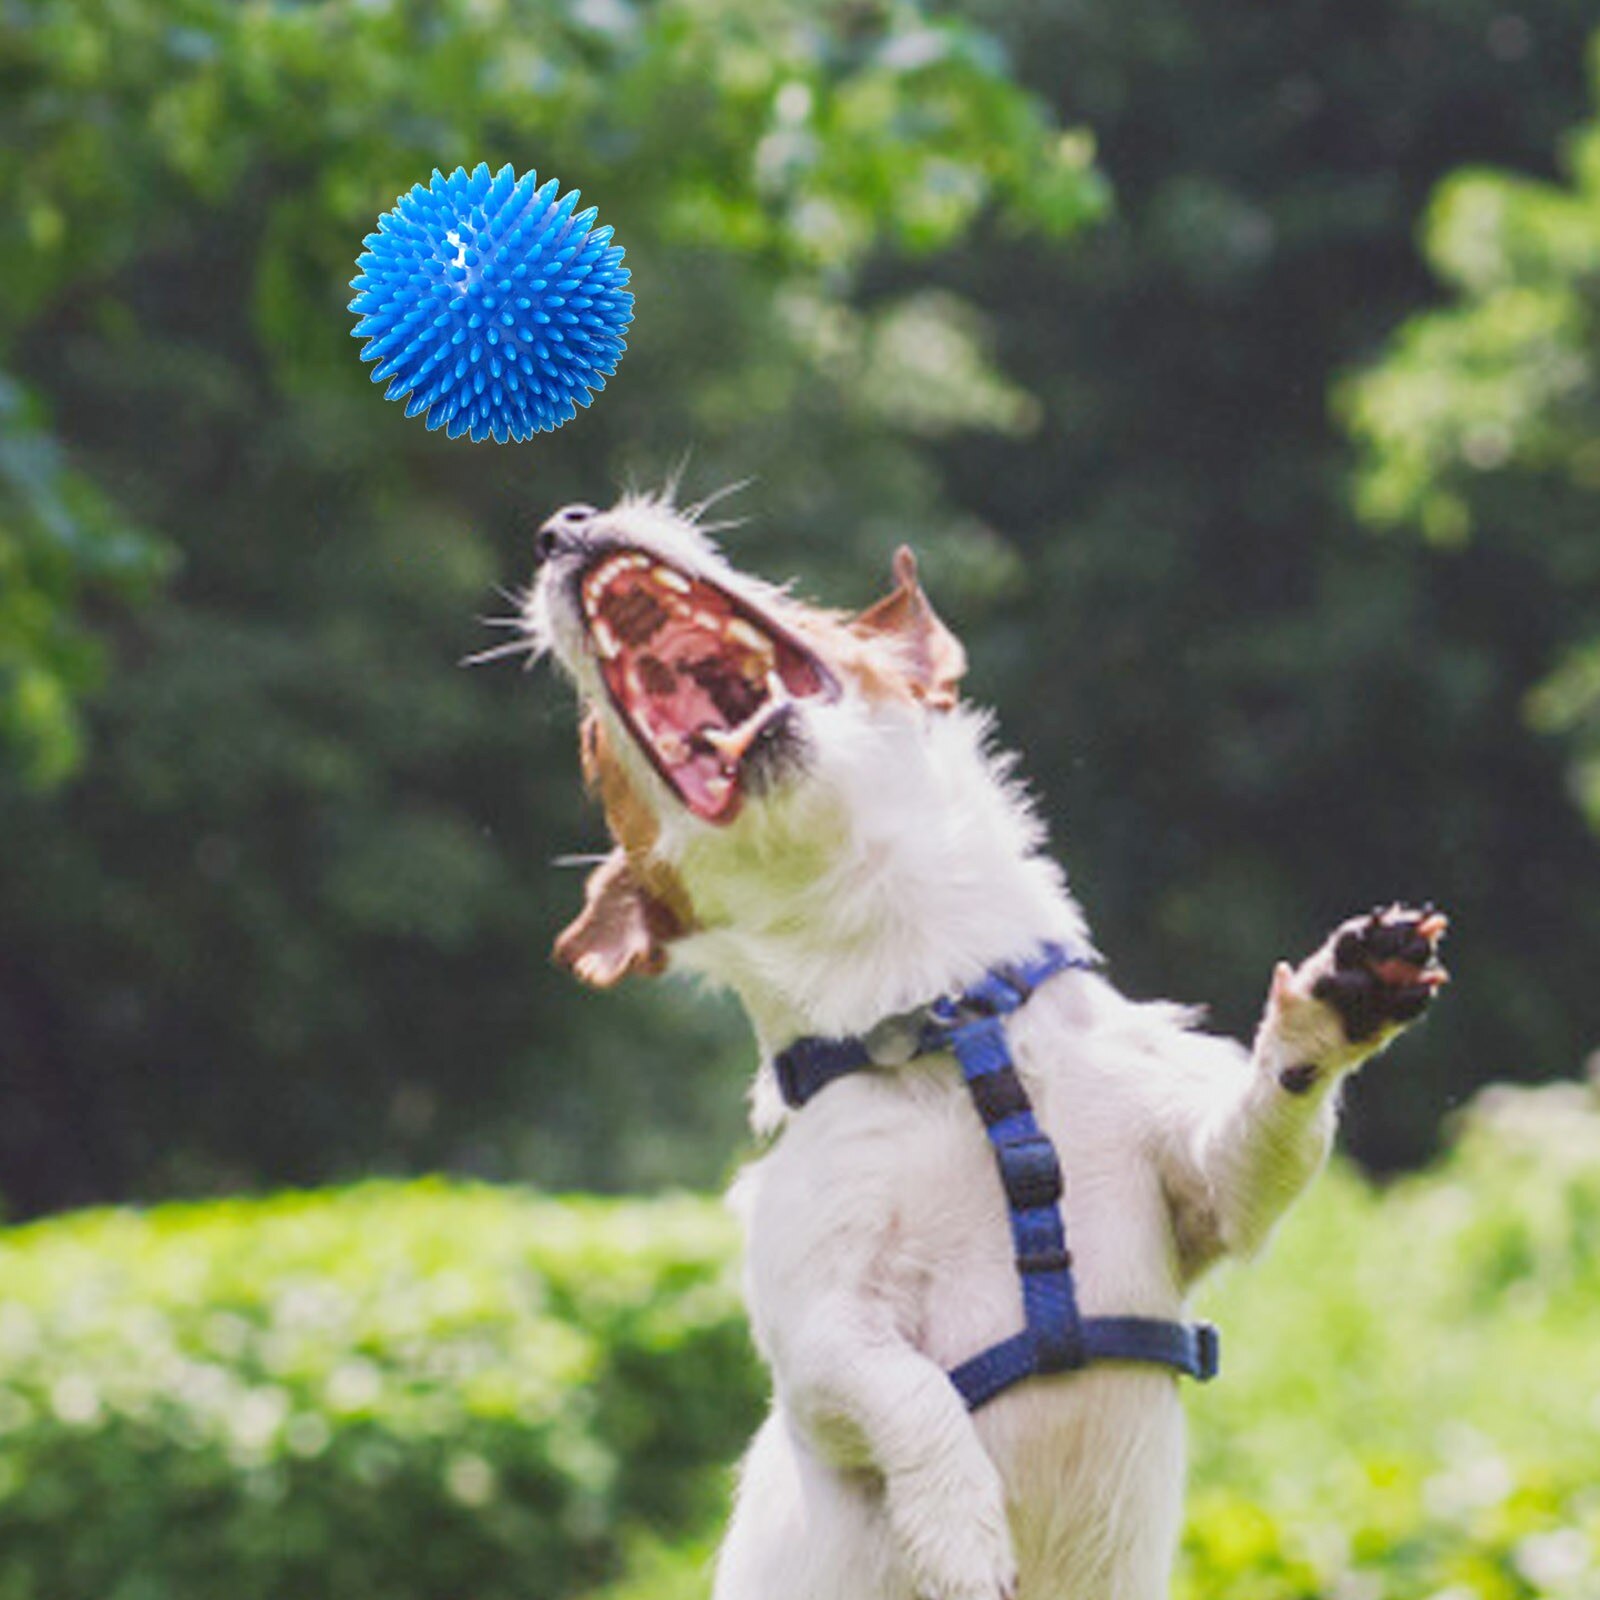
[562, 532]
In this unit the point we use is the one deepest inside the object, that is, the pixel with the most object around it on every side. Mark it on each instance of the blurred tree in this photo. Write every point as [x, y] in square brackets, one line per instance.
[1482, 422]
[60, 543]
[291, 917]
[1253, 715]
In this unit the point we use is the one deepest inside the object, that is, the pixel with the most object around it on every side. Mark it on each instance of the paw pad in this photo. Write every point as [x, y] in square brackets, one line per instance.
[1386, 969]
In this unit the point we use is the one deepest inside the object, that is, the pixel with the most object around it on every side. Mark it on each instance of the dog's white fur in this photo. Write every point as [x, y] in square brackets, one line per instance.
[905, 861]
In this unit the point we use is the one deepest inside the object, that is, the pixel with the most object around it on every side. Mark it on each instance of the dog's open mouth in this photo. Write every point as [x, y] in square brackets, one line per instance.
[704, 683]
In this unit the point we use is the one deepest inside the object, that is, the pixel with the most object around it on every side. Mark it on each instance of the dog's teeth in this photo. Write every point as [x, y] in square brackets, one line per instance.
[606, 639]
[594, 586]
[741, 632]
[733, 744]
[671, 580]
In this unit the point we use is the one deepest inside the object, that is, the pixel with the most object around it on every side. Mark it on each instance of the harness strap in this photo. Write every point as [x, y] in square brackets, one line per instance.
[1055, 1337]
[1190, 1348]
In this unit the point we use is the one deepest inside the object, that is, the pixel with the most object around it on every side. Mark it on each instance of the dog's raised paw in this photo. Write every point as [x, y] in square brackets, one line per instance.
[1373, 977]
[1384, 969]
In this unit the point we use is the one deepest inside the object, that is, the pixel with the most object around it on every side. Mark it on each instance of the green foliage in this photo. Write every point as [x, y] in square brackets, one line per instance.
[262, 141]
[1483, 418]
[1408, 1402]
[1250, 714]
[287, 921]
[435, 1391]
[307, 862]
[59, 540]
[406, 1391]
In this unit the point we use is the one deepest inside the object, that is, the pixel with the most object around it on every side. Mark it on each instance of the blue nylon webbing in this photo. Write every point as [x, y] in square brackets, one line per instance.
[1049, 1300]
[1055, 1337]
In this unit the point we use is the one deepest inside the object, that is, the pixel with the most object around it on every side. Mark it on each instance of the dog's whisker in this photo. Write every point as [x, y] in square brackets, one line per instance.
[695, 512]
[512, 647]
[674, 479]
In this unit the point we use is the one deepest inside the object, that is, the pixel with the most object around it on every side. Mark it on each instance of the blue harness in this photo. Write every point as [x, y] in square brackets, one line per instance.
[971, 1026]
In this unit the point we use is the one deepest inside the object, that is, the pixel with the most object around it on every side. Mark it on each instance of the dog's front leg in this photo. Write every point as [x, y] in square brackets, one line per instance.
[1254, 1150]
[864, 1398]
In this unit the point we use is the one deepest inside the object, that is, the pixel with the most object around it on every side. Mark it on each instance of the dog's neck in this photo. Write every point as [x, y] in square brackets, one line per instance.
[906, 864]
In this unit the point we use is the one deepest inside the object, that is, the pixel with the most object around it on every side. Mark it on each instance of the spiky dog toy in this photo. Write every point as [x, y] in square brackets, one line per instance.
[489, 303]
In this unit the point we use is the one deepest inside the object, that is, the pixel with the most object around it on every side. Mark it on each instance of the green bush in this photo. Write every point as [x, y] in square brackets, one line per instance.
[424, 1390]
[1410, 1400]
[393, 1391]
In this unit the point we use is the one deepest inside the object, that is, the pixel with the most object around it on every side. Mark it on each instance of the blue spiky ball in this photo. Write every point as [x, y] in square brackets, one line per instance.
[491, 304]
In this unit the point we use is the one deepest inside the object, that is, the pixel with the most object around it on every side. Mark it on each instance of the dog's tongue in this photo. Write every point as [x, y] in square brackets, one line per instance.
[705, 787]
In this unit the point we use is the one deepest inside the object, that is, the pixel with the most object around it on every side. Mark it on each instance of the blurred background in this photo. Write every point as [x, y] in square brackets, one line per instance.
[1235, 372]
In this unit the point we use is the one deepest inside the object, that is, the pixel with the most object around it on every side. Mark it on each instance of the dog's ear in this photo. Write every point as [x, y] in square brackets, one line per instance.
[631, 910]
[932, 653]
[622, 929]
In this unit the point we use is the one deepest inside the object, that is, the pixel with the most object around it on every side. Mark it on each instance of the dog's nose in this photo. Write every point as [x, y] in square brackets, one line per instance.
[562, 531]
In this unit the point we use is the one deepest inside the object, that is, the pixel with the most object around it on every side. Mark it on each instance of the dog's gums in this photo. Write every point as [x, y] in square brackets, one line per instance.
[696, 676]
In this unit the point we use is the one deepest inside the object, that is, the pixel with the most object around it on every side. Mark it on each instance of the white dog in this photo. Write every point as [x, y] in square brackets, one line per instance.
[805, 812]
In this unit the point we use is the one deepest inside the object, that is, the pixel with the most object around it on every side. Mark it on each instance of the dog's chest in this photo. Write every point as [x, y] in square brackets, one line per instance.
[884, 1193]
